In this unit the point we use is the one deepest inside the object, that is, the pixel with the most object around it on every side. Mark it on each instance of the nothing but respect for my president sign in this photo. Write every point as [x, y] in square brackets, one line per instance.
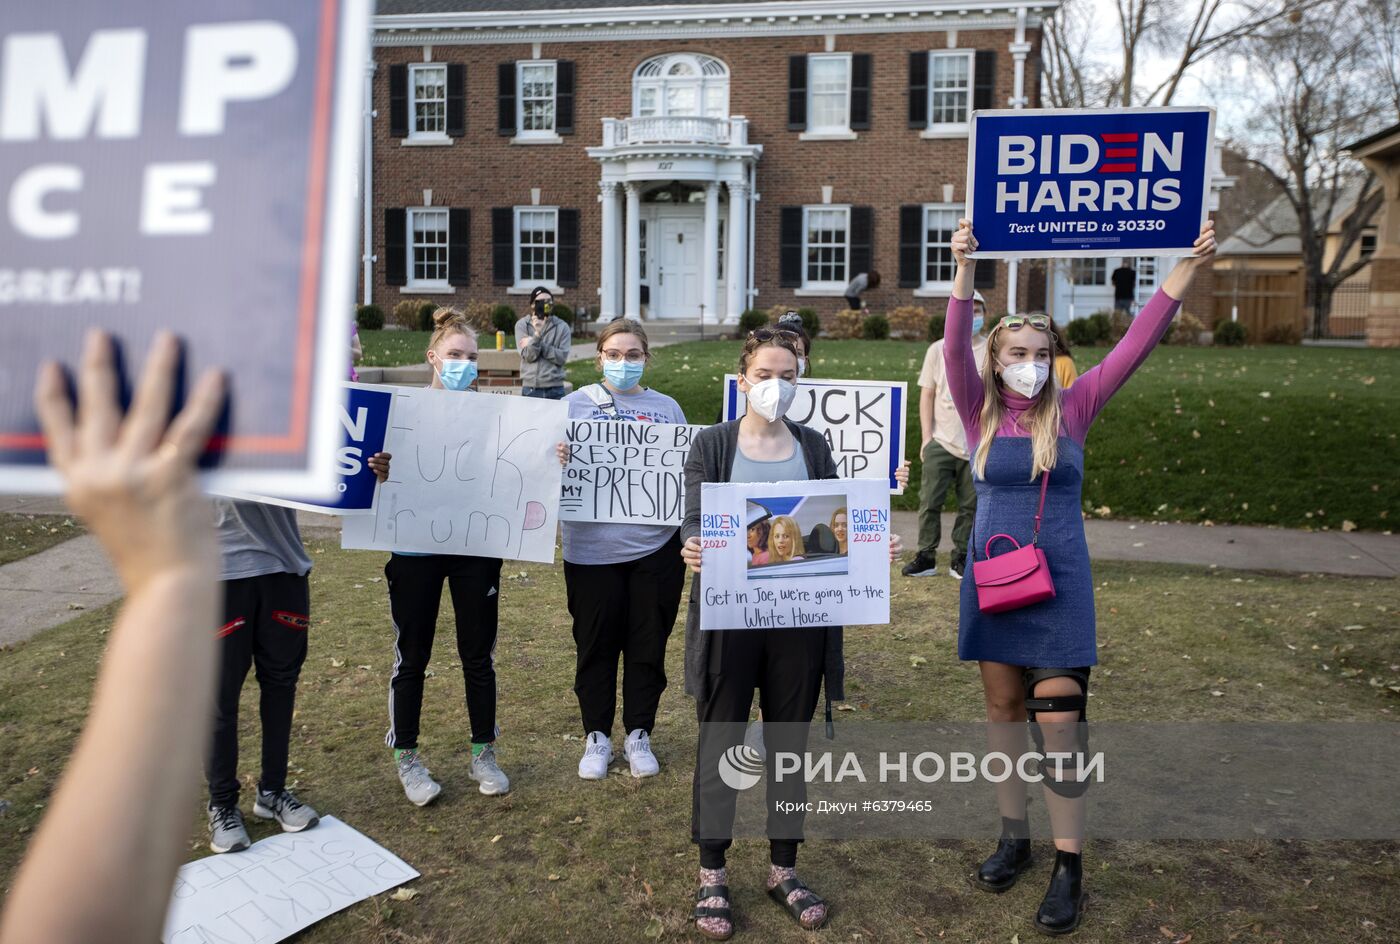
[1088, 182]
[186, 166]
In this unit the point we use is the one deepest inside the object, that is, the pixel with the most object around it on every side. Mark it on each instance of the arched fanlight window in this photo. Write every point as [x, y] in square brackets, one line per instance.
[681, 84]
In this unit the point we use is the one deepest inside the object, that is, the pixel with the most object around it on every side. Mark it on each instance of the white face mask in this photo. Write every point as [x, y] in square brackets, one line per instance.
[1026, 377]
[772, 398]
[801, 367]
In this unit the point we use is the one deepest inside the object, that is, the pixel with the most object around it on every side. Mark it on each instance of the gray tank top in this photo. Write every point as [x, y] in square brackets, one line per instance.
[791, 469]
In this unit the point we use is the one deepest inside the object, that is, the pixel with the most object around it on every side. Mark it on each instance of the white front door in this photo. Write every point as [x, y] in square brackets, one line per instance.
[676, 281]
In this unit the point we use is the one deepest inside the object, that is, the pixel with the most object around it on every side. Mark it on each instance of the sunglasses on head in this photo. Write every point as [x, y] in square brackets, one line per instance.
[1039, 322]
[771, 334]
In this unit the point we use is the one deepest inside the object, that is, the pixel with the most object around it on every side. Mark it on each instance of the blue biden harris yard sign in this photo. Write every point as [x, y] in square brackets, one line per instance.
[1088, 182]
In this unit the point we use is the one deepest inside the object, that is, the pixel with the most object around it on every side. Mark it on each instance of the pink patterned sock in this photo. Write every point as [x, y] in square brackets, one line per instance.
[714, 925]
[811, 917]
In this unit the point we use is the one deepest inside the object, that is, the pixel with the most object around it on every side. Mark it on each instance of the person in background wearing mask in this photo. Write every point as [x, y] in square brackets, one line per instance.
[544, 341]
[791, 321]
[787, 667]
[858, 286]
[944, 454]
[1027, 440]
[624, 581]
[415, 594]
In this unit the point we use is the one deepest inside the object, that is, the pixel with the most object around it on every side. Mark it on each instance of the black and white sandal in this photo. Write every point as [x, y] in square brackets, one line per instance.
[809, 899]
[724, 913]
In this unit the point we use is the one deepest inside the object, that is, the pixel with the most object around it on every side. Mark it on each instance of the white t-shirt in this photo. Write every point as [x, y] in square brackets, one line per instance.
[947, 425]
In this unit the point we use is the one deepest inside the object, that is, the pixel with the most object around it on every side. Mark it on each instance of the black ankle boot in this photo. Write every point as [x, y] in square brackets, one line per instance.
[1064, 899]
[1011, 858]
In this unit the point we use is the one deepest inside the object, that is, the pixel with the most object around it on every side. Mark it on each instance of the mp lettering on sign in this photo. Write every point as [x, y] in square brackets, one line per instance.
[190, 167]
[1088, 182]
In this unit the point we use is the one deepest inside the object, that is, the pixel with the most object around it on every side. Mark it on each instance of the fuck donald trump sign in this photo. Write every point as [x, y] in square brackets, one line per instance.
[1088, 182]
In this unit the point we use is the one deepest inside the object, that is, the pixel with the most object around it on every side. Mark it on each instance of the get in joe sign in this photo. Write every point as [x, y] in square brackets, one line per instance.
[1088, 182]
[189, 166]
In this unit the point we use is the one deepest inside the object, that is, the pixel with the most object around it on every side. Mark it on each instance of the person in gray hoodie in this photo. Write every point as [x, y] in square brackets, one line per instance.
[543, 341]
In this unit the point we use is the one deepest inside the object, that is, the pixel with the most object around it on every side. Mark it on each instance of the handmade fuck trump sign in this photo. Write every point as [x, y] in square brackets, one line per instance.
[471, 474]
[192, 167]
[1088, 182]
[278, 886]
[626, 473]
[862, 421]
[782, 555]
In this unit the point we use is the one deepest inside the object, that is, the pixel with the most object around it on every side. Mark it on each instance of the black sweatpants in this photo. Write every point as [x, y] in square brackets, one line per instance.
[785, 666]
[265, 623]
[415, 594]
[625, 610]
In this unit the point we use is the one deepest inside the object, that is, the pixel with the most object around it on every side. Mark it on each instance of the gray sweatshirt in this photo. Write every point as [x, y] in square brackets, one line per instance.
[542, 360]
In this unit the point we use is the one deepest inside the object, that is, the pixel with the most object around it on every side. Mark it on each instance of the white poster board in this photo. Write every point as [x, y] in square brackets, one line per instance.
[470, 474]
[863, 422]
[819, 554]
[278, 886]
[628, 473]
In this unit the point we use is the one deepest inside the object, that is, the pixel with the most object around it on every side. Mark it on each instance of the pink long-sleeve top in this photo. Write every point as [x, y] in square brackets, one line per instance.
[1082, 402]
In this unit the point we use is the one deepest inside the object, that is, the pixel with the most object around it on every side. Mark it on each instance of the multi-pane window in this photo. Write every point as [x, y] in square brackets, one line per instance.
[1367, 245]
[828, 93]
[429, 91]
[1089, 271]
[940, 223]
[427, 246]
[537, 98]
[949, 88]
[536, 245]
[681, 84]
[642, 243]
[1146, 268]
[827, 245]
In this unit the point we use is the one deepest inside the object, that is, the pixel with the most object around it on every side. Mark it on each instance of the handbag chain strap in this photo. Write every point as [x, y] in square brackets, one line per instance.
[1040, 509]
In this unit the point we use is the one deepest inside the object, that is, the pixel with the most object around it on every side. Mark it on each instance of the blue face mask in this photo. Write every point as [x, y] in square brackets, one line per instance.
[457, 375]
[623, 375]
[977, 325]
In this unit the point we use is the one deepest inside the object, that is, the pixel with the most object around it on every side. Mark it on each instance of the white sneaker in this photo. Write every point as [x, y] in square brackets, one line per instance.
[637, 750]
[597, 754]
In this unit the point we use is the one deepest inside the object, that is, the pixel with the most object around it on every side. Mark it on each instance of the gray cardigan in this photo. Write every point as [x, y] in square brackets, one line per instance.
[542, 362]
[711, 459]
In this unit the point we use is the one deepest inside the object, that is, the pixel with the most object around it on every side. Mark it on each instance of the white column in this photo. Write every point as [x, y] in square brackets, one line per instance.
[737, 248]
[607, 301]
[710, 265]
[367, 188]
[632, 276]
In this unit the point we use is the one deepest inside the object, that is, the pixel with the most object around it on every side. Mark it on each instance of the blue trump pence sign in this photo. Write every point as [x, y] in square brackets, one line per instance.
[1088, 182]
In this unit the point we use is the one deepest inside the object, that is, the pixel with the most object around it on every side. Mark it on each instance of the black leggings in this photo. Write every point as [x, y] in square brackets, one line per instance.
[785, 666]
[264, 627]
[415, 594]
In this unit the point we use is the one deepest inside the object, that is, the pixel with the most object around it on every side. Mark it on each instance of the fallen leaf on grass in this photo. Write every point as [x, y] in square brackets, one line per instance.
[496, 838]
[845, 707]
[337, 663]
[553, 877]
[654, 927]
[405, 894]
[916, 661]
[576, 821]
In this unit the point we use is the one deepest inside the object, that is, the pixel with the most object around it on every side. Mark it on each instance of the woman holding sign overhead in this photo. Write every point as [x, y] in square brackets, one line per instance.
[787, 667]
[624, 580]
[415, 593]
[1035, 643]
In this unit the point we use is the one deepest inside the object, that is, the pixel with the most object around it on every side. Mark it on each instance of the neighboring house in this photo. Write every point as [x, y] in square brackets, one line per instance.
[1259, 273]
[648, 159]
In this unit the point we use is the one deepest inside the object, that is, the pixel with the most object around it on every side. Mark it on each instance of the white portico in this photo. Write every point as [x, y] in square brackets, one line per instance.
[677, 197]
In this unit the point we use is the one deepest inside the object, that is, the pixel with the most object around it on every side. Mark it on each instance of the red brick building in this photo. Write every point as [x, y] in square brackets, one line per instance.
[657, 159]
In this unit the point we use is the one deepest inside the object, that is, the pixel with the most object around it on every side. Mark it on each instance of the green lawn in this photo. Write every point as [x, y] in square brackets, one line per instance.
[22, 535]
[395, 348]
[1299, 437]
[563, 860]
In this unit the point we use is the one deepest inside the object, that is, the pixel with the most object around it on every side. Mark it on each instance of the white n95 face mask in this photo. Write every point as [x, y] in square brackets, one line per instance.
[772, 398]
[1026, 377]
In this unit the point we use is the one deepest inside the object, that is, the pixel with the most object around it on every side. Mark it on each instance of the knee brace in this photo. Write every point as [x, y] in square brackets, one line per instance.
[1030, 677]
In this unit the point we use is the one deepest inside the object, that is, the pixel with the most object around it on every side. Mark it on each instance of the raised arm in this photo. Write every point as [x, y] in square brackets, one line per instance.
[133, 482]
[1097, 385]
[530, 350]
[964, 383]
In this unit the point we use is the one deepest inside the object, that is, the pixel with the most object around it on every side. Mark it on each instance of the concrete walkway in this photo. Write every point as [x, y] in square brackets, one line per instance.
[49, 588]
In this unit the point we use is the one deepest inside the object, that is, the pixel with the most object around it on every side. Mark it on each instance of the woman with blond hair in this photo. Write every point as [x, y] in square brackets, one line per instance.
[785, 541]
[1026, 438]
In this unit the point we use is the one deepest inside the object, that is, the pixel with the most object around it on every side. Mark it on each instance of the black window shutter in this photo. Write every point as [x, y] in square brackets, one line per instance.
[395, 248]
[797, 93]
[398, 101]
[564, 97]
[503, 245]
[505, 98]
[459, 247]
[456, 99]
[860, 91]
[911, 246]
[918, 90]
[790, 247]
[862, 240]
[984, 79]
[567, 274]
[985, 275]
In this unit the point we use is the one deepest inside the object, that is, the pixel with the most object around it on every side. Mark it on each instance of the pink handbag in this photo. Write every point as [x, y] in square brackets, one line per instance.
[1017, 578]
